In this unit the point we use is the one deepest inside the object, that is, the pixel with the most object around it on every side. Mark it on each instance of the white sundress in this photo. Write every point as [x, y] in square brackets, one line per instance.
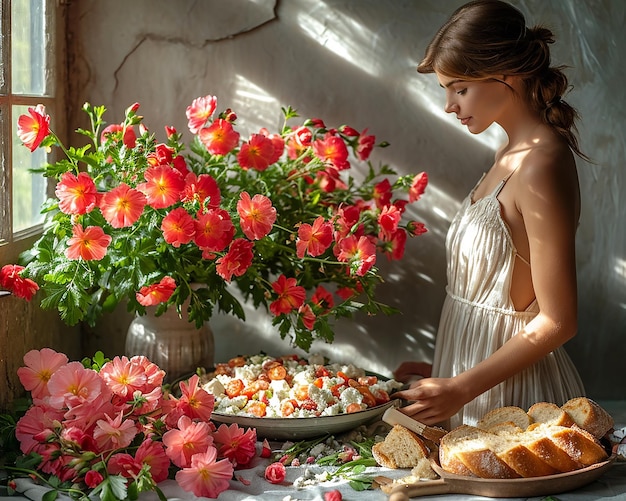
[478, 316]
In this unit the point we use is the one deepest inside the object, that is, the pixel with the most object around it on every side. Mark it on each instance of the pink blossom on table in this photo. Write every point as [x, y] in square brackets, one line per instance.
[11, 280]
[199, 112]
[237, 260]
[36, 425]
[266, 450]
[123, 464]
[257, 215]
[93, 479]
[152, 453]
[77, 194]
[236, 444]
[206, 477]
[114, 433]
[275, 473]
[190, 438]
[79, 436]
[40, 365]
[72, 385]
[122, 376]
[333, 495]
[195, 402]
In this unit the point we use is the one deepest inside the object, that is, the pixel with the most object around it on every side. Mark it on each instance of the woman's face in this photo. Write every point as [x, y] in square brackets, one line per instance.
[477, 104]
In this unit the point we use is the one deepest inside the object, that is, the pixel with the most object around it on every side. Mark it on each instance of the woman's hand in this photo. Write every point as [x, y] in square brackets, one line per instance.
[406, 371]
[433, 399]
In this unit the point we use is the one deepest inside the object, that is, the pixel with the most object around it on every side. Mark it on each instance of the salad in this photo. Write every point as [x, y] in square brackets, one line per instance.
[292, 386]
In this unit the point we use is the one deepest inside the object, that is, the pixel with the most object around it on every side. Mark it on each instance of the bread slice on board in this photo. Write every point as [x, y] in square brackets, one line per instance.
[510, 414]
[589, 415]
[401, 449]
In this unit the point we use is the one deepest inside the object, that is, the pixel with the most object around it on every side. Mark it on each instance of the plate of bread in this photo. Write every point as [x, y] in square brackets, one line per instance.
[510, 452]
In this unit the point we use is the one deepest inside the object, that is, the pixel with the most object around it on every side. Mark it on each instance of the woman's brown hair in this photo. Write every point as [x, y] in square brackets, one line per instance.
[487, 38]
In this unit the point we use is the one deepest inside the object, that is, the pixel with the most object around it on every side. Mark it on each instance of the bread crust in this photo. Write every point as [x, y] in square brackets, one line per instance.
[401, 449]
[589, 415]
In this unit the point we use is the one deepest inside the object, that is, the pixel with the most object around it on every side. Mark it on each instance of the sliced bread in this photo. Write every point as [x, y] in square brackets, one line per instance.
[401, 449]
[549, 413]
[589, 415]
[510, 414]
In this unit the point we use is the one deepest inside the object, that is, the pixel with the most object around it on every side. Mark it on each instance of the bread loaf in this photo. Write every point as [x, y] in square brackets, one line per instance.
[509, 442]
[589, 415]
[401, 449]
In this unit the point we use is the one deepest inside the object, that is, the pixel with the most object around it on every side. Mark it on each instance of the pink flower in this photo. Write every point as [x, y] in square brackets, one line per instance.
[257, 215]
[154, 375]
[334, 495]
[314, 239]
[72, 384]
[38, 421]
[275, 473]
[206, 477]
[153, 454]
[235, 444]
[219, 138]
[115, 433]
[196, 402]
[199, 111]
[190, 438]
[418, 186]
[122, 376]
[93, 479]
[40, 365]
[11, 280]
[236, 261]
[156, 293]
[89, 244]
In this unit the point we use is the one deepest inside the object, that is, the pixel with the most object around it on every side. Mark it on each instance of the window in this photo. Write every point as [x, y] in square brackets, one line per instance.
[28, 76]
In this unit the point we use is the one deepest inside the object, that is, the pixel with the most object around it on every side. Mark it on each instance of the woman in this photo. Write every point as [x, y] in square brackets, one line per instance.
[511, 297]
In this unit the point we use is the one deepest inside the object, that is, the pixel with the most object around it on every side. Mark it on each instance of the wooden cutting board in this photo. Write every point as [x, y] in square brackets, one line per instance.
[501, 488]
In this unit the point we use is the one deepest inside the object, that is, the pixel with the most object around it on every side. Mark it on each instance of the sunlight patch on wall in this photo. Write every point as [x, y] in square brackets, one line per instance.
[341, 35]
[261, 108]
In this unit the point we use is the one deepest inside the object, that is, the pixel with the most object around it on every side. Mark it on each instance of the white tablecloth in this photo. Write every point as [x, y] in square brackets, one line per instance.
[611, 485]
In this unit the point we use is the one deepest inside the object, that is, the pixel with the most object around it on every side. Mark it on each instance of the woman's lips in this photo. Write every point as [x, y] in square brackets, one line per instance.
[464, 121]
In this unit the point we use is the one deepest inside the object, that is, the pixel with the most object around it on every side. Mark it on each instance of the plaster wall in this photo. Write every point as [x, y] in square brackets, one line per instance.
[353, 62]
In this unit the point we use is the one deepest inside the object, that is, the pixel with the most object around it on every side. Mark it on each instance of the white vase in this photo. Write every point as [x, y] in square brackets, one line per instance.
[172, 342]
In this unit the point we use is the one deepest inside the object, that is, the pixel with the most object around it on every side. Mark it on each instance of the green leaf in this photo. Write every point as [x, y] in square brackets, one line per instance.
[50, 496]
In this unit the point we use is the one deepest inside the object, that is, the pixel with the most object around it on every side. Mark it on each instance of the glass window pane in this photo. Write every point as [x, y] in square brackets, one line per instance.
[30, 64]
[29, 190]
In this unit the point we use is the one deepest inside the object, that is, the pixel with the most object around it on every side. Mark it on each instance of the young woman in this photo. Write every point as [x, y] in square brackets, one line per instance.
[511, 297]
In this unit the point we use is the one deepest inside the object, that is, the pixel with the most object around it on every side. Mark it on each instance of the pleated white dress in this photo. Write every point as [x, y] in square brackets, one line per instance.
[478, 316]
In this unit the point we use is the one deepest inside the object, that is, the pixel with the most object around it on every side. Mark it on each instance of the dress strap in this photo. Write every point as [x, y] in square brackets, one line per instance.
[501, 184]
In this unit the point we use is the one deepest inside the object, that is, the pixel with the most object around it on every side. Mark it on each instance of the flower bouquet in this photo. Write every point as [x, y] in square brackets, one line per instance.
[107, 429]
[278, 215]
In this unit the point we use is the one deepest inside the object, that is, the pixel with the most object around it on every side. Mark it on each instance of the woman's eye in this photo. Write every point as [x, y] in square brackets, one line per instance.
[461, 92]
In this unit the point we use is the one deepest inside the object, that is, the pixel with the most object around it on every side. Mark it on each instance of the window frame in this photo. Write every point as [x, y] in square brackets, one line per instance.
[13, 243]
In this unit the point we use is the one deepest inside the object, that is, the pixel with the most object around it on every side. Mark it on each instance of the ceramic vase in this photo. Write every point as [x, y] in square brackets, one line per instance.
[172, 342]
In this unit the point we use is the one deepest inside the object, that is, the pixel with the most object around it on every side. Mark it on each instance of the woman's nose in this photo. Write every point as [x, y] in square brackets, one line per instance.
[450, 106]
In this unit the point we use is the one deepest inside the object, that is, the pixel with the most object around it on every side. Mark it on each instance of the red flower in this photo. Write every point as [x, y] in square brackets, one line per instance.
[382, 193]
[314, 239]
[76, 194]
[89, 244]
[307, 316]
[394, 247]
[388, 219]
[360, 254]
[129, 138]
[277, 141]
[219, 138]
[199, 111]
[156, 293]
[275, 473]
[332, 150]
[257, 153]
[290, 295]
[93, 479]
[418, 186]
[214, 230]
[163, 186]
[333, 495]
[162, 155]
[257, 215]
[236, 444]
[236, 261]
[122, 206]
[365, 146]
[33, 129]
[201, 188]
[11, 280]
[322, 299]
[178, 227]
[416, 229]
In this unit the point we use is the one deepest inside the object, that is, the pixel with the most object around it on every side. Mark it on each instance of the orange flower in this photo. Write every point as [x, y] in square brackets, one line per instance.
[156, 293]
[256, 153]
[201, 188]
[214, 230]
[178, 227]
[199, 111]
[290, 295]
[163, 186]
[76, 194]
[314, 239]
[236, 261]
[11, 280]
[332, 150]
[219, 138]
[359, 253]
[122, 206]
[89, 244]
[257, 215]
[33, 129]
